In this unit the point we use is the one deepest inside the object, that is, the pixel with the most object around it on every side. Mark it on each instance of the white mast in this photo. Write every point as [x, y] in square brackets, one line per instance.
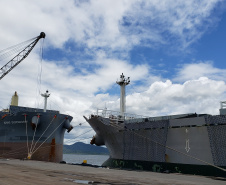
[123, 82]
[45, 95]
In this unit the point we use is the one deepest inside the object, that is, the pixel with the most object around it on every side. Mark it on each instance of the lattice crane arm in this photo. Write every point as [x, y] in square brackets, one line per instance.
[20, 56]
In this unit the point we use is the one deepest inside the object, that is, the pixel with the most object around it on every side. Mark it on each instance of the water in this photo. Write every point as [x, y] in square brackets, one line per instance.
[91, 159]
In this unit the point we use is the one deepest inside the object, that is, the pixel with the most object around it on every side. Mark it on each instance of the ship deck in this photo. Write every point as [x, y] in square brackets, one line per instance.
[28, 172]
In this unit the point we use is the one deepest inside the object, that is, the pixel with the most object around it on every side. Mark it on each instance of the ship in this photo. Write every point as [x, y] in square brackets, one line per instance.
[30, 133]
[185, 143]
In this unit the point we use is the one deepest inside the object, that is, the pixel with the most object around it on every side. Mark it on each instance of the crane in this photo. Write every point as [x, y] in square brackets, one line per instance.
[20, 56]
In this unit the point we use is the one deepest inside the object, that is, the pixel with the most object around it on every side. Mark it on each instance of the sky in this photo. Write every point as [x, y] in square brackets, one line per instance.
[173, 51]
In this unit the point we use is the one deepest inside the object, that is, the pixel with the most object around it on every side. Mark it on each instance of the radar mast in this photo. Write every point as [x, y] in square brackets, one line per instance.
[122, 82]
[45, 95]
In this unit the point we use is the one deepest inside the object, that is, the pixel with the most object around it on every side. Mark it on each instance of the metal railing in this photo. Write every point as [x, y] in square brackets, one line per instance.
[117, 116]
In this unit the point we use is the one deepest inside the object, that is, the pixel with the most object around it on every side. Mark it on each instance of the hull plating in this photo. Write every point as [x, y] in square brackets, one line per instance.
[39, 133]
[164, 167]
[174, 144]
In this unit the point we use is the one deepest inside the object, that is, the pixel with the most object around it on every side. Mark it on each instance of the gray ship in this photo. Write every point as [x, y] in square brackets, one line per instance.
[30, 133]
[185, 143]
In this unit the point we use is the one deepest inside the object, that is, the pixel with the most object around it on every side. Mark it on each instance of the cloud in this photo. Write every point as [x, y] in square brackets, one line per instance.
[71, 92]
[163, 98]
[110, 25]
[199, 69]
[59, 75]
[95, 39]
[79, 95]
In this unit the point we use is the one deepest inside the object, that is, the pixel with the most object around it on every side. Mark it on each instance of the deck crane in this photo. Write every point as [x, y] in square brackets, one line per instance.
[20, 56]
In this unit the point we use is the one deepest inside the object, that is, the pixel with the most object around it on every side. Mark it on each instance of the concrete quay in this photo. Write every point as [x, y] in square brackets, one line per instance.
[28, 172]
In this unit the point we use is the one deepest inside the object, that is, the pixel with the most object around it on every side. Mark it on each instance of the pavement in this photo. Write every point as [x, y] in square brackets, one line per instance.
[29, 172]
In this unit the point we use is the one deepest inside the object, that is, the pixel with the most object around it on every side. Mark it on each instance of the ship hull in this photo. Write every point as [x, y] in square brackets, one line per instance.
[26, 133]
[194, 145]
[48, 152]
[164, 167]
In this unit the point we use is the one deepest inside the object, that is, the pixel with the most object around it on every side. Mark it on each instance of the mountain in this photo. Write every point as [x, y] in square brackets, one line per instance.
[82, 148]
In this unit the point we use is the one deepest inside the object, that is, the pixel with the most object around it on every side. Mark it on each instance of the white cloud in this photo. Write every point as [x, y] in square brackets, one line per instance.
[163, 98]
[75, 94]
[199, 69]
[114, 25]
[105, 28]
[70, 92]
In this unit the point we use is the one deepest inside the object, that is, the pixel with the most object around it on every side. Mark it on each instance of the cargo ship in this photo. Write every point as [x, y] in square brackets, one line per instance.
[185, 143]
[31, 133]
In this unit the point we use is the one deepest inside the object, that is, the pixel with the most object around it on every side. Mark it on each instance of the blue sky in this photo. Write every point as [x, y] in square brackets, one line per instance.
[173, 51]
[206, 44]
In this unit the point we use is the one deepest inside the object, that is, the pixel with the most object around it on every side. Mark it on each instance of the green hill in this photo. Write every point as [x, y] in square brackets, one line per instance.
[82, 148]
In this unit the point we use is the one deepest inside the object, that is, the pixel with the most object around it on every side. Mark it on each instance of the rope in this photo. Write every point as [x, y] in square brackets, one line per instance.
[26, 134]
[173, 149]
[40, 147]
[5, 53]
[43, 133]
[53, 132]
[48, 136]
[34, 136]
[4, 140]
[39, 75]
[82, 134]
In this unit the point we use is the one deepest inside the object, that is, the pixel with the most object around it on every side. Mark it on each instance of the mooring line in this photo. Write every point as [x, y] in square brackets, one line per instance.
[34, 134]
[48, 136]
[26, 133]
[171, 148]
[43, 133]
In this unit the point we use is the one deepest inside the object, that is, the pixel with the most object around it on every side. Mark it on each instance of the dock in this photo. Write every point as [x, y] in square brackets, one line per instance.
[27, 172]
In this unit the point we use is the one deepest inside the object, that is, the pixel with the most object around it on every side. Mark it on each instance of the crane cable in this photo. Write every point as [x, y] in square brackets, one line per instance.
[39, 75]
[5, 53]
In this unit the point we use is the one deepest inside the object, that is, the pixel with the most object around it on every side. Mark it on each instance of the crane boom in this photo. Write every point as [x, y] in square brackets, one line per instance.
[20, 56]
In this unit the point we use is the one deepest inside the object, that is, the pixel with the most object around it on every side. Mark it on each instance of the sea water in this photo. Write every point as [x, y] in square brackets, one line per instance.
[91, 159]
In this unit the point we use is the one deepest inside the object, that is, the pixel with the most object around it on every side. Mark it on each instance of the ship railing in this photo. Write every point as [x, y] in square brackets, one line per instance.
[117, 116]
